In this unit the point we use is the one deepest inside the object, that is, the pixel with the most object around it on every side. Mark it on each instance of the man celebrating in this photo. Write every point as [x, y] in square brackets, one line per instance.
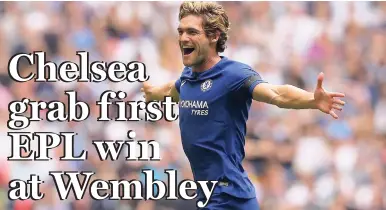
[215, 95]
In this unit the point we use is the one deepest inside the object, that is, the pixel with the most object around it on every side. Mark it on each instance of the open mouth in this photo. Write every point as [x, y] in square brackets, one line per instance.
[188, 51]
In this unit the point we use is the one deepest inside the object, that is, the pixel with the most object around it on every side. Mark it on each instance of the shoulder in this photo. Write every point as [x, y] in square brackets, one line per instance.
[237, 70]
[240, 76]
[184, 75]
[229, 63]
[186, 72]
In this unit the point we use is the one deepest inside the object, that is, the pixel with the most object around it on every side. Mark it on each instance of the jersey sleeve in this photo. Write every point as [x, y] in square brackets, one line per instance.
[184, 74]
[177, 84]
[245, 80]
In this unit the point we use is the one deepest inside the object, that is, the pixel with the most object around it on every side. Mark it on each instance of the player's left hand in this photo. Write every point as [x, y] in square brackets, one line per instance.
[325, 101]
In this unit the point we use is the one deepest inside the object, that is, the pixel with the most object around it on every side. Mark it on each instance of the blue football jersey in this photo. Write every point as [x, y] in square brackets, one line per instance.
[213, 111]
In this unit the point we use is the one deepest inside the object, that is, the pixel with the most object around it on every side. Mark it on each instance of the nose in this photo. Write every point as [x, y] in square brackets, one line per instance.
[184, 37]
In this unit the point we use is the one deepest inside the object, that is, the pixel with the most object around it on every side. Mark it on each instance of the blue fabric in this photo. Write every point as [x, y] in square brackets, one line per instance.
[224, 201]
[214, 108]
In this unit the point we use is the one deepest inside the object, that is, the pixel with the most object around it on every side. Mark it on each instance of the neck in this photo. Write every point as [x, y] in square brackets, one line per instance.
[207, 64]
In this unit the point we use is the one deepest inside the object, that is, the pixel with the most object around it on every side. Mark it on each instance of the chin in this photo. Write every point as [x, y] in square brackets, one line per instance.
[187, 63]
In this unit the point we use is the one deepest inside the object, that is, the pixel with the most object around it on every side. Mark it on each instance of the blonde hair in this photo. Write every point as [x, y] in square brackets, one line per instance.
[214, 19]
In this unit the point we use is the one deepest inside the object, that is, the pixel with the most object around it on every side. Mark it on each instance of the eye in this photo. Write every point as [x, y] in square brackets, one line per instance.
[192, 32]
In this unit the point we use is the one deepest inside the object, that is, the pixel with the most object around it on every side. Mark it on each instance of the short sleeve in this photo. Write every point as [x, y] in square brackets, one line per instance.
[246, 80]
[184, 75]
[178, 85]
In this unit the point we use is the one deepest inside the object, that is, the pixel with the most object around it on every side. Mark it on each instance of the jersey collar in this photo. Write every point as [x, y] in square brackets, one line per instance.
[217, 69]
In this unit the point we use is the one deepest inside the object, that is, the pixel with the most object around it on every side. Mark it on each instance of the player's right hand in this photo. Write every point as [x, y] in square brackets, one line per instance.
[148, 91]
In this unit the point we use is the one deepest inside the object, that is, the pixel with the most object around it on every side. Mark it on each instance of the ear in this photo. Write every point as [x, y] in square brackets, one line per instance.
[216, 37]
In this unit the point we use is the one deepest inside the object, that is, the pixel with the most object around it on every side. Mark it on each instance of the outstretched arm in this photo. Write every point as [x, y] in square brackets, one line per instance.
[158, 93]
[291, 97]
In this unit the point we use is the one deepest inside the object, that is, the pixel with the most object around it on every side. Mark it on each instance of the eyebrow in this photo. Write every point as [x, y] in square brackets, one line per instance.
[189, 28]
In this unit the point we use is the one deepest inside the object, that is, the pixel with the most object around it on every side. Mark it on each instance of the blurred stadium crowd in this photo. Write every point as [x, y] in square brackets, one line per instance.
[297, 159]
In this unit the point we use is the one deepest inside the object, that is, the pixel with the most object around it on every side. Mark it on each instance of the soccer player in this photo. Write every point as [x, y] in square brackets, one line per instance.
[215, 94]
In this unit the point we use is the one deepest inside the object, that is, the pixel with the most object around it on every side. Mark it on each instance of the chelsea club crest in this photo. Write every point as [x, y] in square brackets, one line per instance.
[206, 85]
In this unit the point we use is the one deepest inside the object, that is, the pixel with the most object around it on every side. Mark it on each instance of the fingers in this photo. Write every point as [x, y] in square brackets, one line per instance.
[146, 85]
[335, 94]
[320, 80]
[332, 113]
[337, 107]
[338, 101]
[145, 89]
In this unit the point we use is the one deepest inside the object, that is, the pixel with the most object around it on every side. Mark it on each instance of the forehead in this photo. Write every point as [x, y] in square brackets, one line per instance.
[191, 21]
